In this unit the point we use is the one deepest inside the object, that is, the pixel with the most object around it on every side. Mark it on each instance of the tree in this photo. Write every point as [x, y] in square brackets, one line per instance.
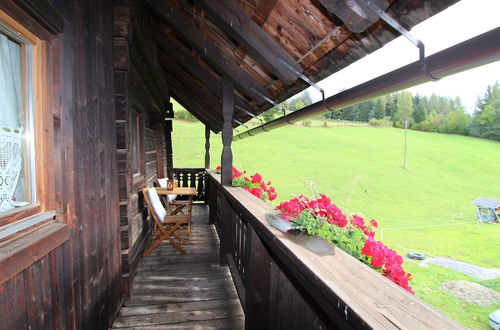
[390, 107]
[455, 122]
[364, 111]
[420, 108]
[302, 100]
[379, 108]
[490, 121]
[270, 114]
[404, 107]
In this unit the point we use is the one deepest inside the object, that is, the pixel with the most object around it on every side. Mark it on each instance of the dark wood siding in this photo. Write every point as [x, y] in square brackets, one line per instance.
[77, 284]
[139, 87]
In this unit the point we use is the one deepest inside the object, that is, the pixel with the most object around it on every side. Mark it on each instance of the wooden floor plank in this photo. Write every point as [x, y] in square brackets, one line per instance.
[191, 291]
[179, 307]
[228, 323]
[177, 317]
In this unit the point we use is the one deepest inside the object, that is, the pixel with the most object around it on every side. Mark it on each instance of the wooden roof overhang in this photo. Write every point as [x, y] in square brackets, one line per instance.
[250, 40]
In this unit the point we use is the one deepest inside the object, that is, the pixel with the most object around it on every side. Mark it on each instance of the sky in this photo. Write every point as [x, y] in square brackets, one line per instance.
[462, 21]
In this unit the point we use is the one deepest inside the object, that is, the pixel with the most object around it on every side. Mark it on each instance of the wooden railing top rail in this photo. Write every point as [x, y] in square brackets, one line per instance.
[339, 282]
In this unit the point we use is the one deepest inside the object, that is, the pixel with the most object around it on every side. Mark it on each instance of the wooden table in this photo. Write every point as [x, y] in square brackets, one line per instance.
[177, 191]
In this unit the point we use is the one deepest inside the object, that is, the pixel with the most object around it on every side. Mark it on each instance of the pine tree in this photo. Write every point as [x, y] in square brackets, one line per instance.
[420, 108]
[379, 108]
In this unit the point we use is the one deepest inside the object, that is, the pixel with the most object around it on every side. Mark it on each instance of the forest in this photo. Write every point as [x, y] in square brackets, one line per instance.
[431, 114]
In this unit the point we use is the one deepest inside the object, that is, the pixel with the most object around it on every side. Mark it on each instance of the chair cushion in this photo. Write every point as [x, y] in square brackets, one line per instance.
[163, 183]
[156, 204]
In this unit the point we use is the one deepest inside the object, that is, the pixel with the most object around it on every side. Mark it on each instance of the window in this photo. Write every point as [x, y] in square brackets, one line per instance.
[17, 156]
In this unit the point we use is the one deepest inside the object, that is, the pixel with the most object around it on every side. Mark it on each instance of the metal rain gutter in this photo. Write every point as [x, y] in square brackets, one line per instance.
[477, 51]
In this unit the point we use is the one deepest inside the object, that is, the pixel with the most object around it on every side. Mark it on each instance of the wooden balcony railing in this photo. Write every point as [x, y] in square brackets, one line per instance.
[192, 177]
[283, 285]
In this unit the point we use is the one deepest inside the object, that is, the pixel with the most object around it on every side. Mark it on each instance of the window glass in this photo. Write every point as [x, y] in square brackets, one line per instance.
[16, 126]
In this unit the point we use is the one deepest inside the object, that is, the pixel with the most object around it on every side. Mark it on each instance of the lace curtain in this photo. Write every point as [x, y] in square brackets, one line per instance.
[12, 192]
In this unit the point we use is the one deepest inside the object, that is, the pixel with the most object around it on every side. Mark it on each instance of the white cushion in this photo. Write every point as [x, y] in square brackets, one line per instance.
[155, 202]
[163, 183]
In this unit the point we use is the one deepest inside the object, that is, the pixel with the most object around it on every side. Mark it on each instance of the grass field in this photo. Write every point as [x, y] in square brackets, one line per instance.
[424, 208]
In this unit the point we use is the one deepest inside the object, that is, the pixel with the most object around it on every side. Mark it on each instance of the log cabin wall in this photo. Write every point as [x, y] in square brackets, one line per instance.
[141, 96]
[74, 276]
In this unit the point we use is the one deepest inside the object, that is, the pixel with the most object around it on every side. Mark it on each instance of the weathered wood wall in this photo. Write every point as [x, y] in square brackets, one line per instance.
[78, 284]
[139, 88]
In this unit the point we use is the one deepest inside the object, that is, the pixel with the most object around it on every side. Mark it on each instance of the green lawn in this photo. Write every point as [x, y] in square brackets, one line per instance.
[425, 207]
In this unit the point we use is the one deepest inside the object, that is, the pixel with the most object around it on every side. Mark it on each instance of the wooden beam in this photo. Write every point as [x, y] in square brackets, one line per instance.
[192, 107]
[200, 110]
[189, 32]
[227, 130]
[358, 18]
[263, 10]
[195, 108]
[252, 37]
[176, 50]
[197, 87]
[44, 13]
[147, 76]
[197, 91]
[207, 87]
[207, 147]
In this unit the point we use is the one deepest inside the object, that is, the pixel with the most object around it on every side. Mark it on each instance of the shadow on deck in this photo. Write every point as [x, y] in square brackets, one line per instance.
[184, 291]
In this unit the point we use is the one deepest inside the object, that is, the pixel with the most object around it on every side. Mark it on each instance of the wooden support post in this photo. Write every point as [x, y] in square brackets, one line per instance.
[257, 282]
[227, 164]
[227, 130]
[160, 168]
[207, 147]
[168, 136]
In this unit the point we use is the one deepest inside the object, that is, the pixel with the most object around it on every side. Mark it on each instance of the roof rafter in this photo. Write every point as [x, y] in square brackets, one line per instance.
[200, 90]
[173, 48]
[195, 87]
[254, 39]
[198, 110]
[190, 33]
[192, 89]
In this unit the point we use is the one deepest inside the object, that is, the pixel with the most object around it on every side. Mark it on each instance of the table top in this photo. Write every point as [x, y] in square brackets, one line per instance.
[177, 191]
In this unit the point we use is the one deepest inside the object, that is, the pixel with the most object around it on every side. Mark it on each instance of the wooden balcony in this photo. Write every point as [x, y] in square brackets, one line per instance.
[279, 283]
[184, 291]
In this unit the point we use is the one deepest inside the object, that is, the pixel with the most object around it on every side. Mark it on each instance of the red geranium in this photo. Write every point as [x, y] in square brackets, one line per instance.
[376, 254]
[255, 184]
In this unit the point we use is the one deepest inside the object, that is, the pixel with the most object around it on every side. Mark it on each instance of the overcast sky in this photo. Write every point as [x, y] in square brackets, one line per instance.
[460, 22]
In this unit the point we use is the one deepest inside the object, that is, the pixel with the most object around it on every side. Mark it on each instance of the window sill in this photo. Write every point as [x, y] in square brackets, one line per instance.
[19, 213]
[21, 250]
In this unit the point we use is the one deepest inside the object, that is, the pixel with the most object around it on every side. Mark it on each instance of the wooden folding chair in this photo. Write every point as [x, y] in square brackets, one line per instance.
[165, 226]
[170, 202]
[174, 206]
